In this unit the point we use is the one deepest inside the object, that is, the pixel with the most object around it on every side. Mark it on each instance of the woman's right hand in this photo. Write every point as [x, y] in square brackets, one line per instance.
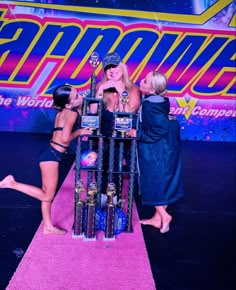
[107, 85]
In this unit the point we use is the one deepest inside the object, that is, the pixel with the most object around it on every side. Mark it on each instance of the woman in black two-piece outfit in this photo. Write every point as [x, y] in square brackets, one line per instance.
[68, 103]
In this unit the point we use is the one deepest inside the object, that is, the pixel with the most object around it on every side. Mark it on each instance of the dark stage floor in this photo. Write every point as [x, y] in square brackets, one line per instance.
[198, 253]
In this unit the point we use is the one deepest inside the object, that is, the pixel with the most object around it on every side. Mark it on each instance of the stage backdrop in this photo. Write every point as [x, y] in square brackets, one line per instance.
[44, 44]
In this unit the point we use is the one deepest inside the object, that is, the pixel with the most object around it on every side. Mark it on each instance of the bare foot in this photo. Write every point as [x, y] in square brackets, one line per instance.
[54, 231]
[152, 222]
[6, 181]
[166, 224]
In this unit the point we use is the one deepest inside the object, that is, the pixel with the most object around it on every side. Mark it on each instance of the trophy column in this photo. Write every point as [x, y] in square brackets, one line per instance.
[89, 159]
[110, 212]
[122, 124]
[121, 170]
[78, 211]
[93, 121]
[90, 212]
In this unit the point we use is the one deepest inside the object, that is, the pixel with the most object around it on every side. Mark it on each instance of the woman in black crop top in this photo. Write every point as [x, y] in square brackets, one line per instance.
[68, 103]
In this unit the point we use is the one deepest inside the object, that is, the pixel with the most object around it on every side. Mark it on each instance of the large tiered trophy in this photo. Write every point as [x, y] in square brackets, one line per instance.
[89, 160]
[90, 215]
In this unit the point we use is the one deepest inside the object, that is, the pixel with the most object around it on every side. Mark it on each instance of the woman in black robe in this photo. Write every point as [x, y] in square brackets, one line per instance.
[159, 152]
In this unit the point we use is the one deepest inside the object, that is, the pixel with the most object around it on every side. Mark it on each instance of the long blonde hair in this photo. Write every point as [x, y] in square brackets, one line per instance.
[125, 79]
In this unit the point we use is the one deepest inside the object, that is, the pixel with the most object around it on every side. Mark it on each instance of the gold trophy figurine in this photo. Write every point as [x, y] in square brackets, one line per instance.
[90, 225]
[92, 191]
[124, 98]
[79, 205]
[111, 191]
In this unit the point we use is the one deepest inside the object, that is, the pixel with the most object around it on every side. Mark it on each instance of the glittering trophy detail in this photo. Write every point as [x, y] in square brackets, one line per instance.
[90, 120]
[114, 220]
[90, 212]
[79, 206]
[109, 230]
[124, 98]
[94, 63]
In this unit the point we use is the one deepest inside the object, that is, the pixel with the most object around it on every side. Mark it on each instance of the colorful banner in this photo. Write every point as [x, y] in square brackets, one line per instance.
[44, 44]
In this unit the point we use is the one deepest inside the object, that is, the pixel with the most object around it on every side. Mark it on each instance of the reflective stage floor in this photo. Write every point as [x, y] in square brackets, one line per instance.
[198, 253]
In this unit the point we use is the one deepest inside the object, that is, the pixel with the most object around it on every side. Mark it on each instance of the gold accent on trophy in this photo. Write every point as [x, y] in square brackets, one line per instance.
[90, 225]
[123, 119]
[79, 205]
[92, 191]
[88, 120]
[94, 63]
[79, 188]
[111, 191]
[124, 98]
[94, 59]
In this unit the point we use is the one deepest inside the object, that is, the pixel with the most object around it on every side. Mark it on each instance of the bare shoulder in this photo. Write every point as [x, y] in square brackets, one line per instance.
[70, 116]
[99, 84]
[135, 93]
[135, 90]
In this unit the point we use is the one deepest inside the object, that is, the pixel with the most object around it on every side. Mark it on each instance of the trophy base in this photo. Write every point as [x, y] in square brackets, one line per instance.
[109, 239]
[90, 239]
[120, 221]
[77, 236]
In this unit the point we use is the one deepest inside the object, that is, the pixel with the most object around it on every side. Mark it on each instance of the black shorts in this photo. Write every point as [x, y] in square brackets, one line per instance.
[50, 154]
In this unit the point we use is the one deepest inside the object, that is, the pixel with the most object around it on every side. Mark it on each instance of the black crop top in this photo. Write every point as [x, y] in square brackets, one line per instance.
[57, 129]
[75, 127]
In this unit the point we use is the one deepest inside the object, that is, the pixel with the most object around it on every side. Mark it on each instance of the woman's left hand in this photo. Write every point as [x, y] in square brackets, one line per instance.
[131, 133]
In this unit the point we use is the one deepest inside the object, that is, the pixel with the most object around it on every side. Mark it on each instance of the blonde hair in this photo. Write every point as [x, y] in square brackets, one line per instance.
[125, 79]
[159, 83]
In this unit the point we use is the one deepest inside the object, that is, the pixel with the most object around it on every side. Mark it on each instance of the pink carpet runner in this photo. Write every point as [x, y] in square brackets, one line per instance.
[66, 263]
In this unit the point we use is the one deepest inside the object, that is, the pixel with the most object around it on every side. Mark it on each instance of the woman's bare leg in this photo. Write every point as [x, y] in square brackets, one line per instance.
[49, 171]
[48, 227]
[10, 182]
